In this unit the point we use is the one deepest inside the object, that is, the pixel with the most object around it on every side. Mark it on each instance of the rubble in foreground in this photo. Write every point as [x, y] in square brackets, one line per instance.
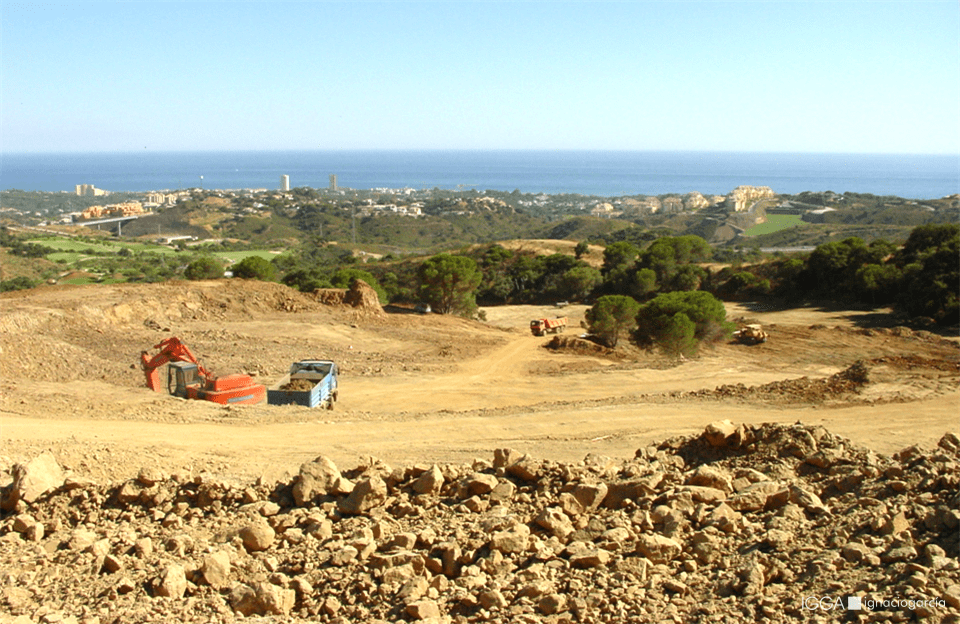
[741, 523]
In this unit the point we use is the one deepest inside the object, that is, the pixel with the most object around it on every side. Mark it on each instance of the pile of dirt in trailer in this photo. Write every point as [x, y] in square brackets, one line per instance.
[298, 385]
[741, 523]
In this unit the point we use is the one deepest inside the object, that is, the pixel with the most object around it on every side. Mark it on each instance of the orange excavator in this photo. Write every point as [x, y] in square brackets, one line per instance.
[188, 379]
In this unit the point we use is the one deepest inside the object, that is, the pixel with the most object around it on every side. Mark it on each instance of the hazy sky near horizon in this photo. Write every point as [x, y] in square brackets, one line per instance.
[829, 76]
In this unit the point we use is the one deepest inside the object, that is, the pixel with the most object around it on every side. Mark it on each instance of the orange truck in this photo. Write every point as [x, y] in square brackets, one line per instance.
[543, 326]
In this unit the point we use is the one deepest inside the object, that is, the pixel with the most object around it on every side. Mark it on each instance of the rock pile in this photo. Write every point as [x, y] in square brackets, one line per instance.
[847, 382]
[741, 523]
[360, 296]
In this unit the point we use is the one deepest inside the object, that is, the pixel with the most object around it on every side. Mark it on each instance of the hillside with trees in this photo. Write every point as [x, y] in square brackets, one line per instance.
[440, 247]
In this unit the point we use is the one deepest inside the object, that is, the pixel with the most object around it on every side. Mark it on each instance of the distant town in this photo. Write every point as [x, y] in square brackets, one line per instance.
[409, 202]
[752, 216]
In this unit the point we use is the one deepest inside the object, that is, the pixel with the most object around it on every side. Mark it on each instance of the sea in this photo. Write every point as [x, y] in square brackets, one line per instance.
[595, 173]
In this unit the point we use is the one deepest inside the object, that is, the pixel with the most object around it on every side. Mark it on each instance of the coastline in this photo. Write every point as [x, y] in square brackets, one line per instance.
[553, 172]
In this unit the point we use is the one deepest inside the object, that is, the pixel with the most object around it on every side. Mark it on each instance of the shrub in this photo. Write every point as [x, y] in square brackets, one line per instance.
[576, 283]
[611, 316]
[204, 268]
[658, 324]
[931, 277]
[581, 250]
[255, 267]
[306, 280]
[744, 284]
[17, 283]
[619, 256]
[671, 257]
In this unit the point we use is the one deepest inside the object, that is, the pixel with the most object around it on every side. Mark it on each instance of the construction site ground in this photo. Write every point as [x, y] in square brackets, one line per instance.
[423, 389]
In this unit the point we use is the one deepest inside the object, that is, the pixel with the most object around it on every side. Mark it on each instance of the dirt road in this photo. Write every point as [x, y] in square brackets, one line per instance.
[561, 434]
[424, 389]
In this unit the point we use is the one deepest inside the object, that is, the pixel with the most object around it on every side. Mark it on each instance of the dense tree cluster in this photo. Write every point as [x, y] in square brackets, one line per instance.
[667, 264]
[678, 322]
[523, 277]
[637, 284]
[921, 279]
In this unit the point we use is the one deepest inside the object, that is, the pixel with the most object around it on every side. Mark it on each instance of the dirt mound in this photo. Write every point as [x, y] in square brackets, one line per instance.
[845, 385]
[107, 330]
[360, 296]
[577, 345]
[174, 221]
[739, 523]
[200, 301]
[848, 381]
[330, 296]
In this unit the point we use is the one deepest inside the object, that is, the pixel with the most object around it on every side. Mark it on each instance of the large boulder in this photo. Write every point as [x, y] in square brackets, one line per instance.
[216, 569]
[31, 480]
[274, 600]
[657, 548]
[257, 536]
[367, 494]
[590, 495]
[317, 478]
[719, 433]
[172, 582]
[554, 520]
[430, 482]
[423, 610]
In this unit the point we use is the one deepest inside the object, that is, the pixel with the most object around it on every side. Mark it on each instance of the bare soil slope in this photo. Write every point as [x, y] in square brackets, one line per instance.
[429, 388]
[496, 480]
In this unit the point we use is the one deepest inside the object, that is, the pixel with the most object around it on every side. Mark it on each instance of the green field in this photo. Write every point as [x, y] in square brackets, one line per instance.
[70, 245]
[237, 256]
[72, 251]
[79, 281]
[65, 257]
[75, 246]
[774, 223]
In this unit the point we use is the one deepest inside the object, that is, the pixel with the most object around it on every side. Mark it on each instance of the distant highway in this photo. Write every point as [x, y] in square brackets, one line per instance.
[109, 220]
[786, 249]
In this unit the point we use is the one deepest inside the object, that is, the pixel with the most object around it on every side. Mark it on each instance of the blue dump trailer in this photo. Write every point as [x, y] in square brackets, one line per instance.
[311, 383]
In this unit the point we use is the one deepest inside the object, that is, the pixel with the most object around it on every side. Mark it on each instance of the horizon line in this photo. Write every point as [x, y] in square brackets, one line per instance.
[466, 150]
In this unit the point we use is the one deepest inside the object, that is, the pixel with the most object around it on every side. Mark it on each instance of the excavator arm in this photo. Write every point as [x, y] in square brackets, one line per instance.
[171, 350]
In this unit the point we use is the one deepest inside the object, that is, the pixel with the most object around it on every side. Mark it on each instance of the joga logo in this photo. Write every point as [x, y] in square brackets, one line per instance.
[831, 603]
[856, 603]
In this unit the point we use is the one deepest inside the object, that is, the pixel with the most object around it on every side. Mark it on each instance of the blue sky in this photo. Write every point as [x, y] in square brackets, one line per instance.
[842, 76]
